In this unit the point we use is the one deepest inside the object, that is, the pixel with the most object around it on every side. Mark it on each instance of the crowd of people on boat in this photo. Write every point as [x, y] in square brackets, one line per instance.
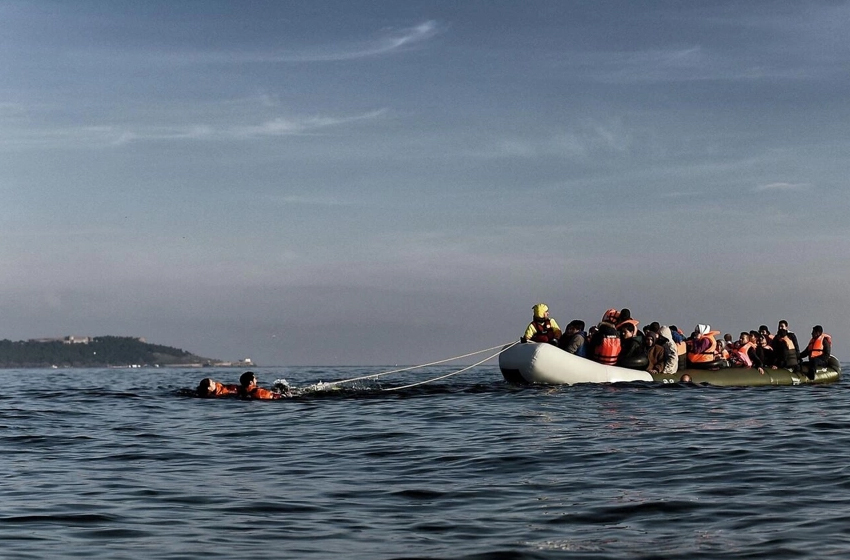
[618, 340]
[247, 389]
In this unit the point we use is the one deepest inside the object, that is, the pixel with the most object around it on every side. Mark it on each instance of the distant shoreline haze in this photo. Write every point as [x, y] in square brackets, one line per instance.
[100, 351]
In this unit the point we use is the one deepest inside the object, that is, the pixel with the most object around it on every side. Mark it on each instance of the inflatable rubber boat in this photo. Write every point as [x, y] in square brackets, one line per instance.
[548, 364]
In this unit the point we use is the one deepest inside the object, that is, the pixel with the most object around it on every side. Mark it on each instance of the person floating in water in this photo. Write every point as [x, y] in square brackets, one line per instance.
[542, 328]
[249, 389]
[210, 389]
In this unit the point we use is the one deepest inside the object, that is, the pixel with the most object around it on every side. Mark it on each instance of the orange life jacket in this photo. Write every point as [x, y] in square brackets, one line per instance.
[743, 354]
[632, 321]
[608, 350]
[707, 355]
[222, 390]
[815, 346]
[258, 393]
[543, 331]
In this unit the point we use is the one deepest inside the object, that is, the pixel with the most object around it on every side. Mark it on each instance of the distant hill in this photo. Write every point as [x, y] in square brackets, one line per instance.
[99, 351]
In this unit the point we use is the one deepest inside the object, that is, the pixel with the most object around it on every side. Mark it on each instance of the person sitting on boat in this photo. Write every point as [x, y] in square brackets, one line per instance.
[818, 351]
[632, 353]
[701, 353]
[765, 350]
[210, 389]
[785, 351]
[745, 353]
[572, 340]
[624, 317]
[779, 347]
[765, 332]
[249, 389]
[604, 344]
[671, 354]
[654, 353]
[542, 328]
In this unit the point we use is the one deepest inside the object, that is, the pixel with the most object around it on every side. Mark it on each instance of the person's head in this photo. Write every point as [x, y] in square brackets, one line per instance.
[781, 333]
[625, 314]
[685, 378]
[248, 379]
[702, 330]
[727, 337]
[655, 327]
[817, 330]
[592, 329]
[754, 337]
[650, 338]
[783, 324]
[575, 326]
[206, 387]
[764, 330]
[718, 344]
[541, 311]
[745, 338]
[627, 330]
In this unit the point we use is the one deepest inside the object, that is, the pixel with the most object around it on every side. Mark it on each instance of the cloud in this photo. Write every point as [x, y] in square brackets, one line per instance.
[89, 136]
[782, 187]
[390, 42]
[281, 126]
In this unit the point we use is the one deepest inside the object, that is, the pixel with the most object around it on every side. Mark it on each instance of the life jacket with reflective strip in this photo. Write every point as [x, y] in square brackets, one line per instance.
[543, 331]
[706, 355]
[608, 350]
[815, 346]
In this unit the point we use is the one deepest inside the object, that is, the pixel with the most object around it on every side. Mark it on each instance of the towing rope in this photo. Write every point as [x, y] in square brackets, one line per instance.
[376, 375]
[453, 373]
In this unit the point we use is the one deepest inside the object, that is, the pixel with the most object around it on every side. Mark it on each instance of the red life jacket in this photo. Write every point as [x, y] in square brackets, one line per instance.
[543, 331]
[608, 350]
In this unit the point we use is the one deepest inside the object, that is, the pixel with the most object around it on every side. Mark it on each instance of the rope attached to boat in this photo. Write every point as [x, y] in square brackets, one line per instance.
[376, 375]
[455, 372]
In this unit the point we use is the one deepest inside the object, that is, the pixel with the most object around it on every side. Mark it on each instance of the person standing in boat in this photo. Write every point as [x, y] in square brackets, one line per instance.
[542, 327]
[573, 339]
[818, 351]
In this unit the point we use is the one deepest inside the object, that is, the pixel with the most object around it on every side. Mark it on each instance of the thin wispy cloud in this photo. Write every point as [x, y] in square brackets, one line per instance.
[282, 126]
[389, 42]
[114, 135]
[782, 187]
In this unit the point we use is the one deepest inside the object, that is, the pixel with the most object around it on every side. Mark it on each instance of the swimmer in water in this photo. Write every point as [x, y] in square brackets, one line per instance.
[250, 390]
[210, 389]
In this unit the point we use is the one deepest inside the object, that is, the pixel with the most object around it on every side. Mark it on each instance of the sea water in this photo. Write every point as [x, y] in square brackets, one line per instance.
[120, 463]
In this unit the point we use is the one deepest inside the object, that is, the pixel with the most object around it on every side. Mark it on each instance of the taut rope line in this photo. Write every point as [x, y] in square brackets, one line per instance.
[376, 375]
[453, 373]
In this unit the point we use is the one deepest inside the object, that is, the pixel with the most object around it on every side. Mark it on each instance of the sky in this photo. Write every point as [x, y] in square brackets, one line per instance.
[380, 182]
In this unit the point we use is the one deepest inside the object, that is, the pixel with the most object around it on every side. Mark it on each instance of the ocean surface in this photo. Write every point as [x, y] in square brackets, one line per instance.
[124, 463]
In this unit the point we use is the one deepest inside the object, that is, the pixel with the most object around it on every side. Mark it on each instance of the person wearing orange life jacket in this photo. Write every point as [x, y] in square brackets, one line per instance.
[625, 317]
[605, 343]
[542, 327]
[746, 353]
[701, 353]
[210, 389]
[818, 351]
[249, 389]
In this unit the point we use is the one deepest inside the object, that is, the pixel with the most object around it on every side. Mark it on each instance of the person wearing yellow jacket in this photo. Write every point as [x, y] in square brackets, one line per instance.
[542, 327]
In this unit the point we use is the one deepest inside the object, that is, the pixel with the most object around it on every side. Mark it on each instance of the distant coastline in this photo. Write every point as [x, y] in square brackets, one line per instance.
[102, 351]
